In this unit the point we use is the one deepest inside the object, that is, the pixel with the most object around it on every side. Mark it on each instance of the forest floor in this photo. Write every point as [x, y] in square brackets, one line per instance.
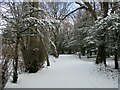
[68, 71]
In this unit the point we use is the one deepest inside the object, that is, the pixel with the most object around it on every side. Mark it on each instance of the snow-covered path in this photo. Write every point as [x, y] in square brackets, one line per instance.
[68, 71]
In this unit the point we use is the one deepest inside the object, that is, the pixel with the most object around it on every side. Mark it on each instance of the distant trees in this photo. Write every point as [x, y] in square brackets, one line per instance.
[55, 11]
[83, 21]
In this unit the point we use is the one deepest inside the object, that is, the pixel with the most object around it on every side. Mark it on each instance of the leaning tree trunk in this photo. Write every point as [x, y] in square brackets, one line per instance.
[46, 53]
[43, 51]
[54, 49]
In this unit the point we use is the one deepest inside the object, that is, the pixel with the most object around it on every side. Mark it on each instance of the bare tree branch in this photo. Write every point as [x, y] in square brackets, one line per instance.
[114, 7]
[86, 6]
[72, 12]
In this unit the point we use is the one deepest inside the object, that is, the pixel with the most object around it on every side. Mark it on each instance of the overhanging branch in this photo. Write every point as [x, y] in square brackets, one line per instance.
[82, 7]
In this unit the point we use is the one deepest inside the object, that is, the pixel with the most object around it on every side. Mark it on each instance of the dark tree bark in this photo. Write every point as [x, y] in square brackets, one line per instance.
[105, 9]
[101, 56]
[118, 47]
[116, 59]
[91, 10]
[83, 51]
[15, 62]
[116, 50]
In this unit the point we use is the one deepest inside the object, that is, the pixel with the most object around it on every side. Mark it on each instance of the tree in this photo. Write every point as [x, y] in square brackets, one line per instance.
[56, 10]
[111, 35]
[27, 35]
[36, 55]
[83, 21]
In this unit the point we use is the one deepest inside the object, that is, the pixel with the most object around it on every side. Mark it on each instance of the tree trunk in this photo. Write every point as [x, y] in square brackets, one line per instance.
[36, 50]
[116, 59]
[15, 62]
[118, 44]
[45, 52]
[33, 54]
[101, 55]
[54, 49]
[83, 51]
[48, 63]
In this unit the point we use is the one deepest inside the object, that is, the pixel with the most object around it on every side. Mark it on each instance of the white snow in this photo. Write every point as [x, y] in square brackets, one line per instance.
[0, 58]
[68, 71]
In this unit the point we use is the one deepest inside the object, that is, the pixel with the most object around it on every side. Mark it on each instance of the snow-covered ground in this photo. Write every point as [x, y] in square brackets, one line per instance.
[68, 71]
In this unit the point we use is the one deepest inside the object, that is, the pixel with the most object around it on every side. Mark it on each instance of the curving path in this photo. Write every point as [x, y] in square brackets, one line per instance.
[68, 71]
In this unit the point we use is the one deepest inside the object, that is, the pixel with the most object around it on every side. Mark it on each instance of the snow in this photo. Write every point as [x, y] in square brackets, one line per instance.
[109, 11]
[68, 71]
[0, 61]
